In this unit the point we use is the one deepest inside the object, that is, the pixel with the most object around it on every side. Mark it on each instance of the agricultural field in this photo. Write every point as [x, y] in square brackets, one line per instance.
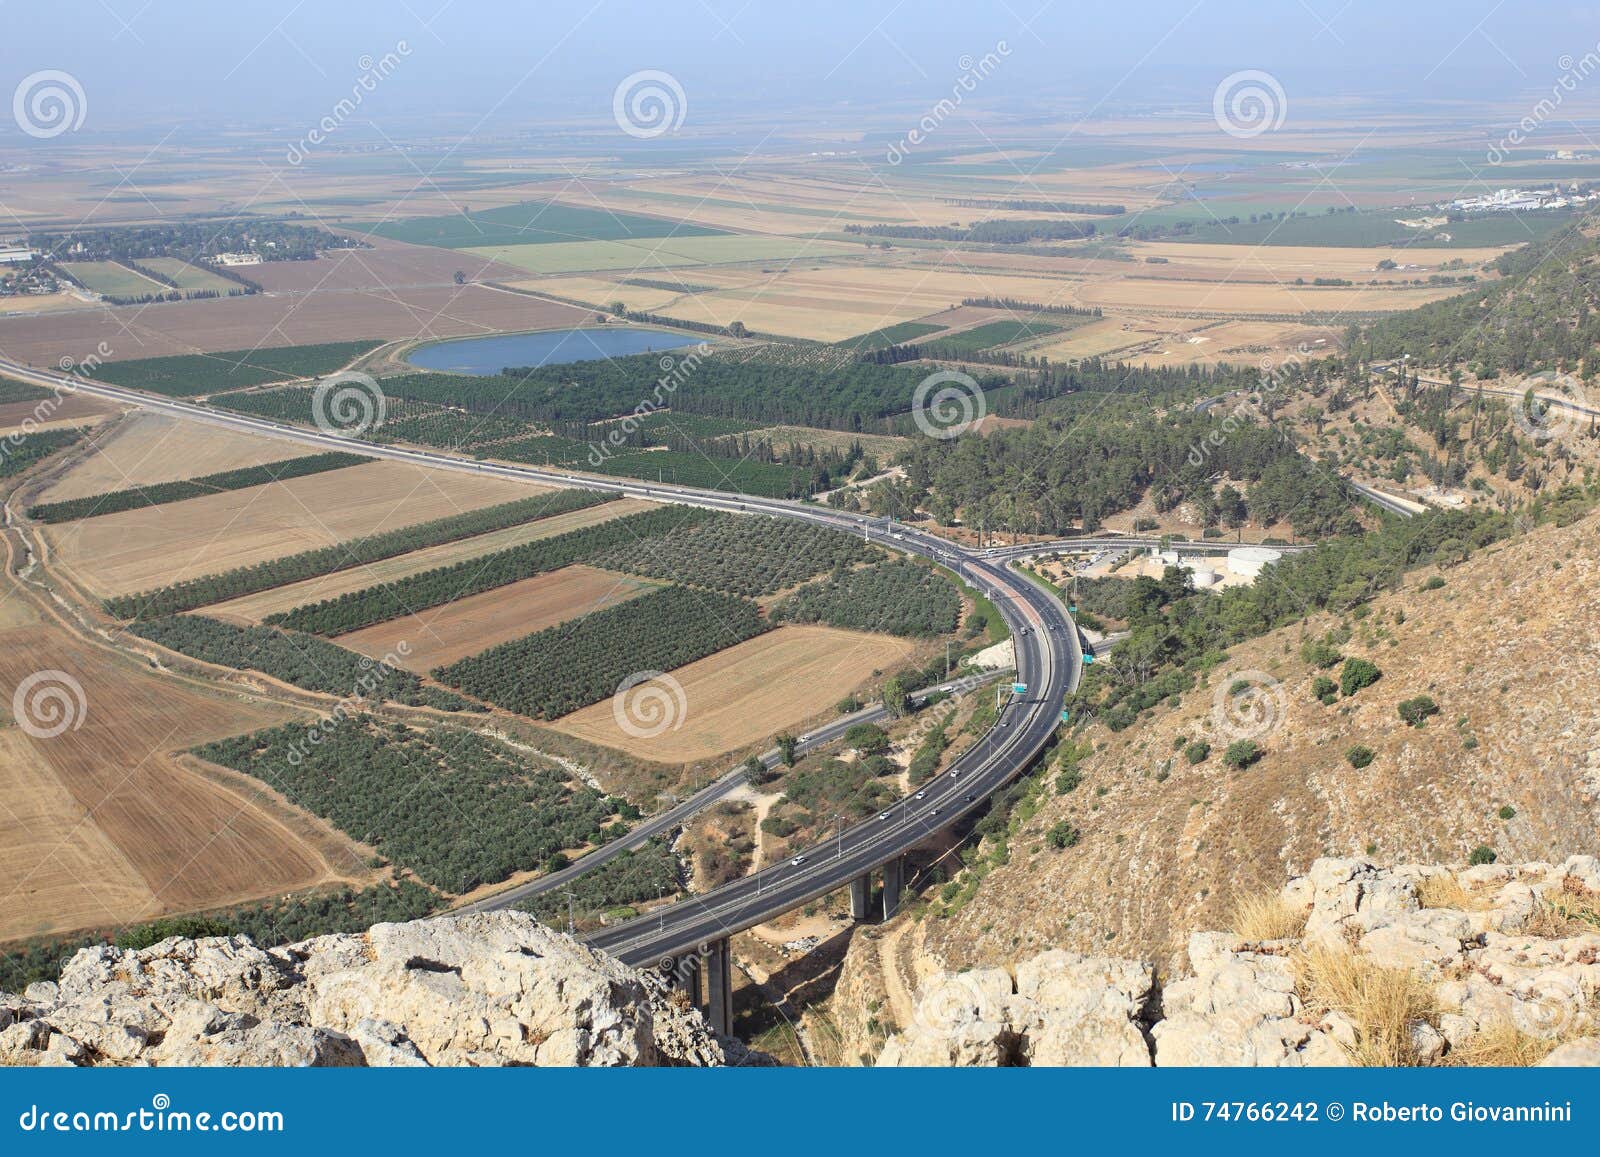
[649, 256]
[456, 808]
[433, 588]
[196, 374]
[106, 823]
[34, 449]
[456, 630]
[996, 333]
[161, 493]
[899, 597]
[111, 279]
[271, 599]
[563, 668]
[742, 554]
[189, 276]
[351, 554]
[146, 448]
[39, 410]
[139, 550]
[319, 316]
[747, 693]
[530, 223]
[300, 660]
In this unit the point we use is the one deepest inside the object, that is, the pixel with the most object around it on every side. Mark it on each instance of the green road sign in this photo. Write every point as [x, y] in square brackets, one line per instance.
[1019, 688]
[1088, 656]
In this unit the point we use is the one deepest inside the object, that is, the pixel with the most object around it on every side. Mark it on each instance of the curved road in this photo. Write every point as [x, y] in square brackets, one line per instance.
[1049, 662]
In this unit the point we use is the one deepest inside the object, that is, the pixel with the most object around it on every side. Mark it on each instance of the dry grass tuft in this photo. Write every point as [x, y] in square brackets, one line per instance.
[1267, 917]
[1503, 1045]
[1446, 891]
[1382, 1003]
[1563, 915]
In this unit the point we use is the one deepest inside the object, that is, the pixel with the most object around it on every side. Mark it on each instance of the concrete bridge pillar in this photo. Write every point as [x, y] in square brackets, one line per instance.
[719, 987]
[894, 886]
[860, 896]
[686, 977]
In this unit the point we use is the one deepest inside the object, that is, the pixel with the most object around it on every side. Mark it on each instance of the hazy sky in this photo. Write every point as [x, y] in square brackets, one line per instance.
[159, 62]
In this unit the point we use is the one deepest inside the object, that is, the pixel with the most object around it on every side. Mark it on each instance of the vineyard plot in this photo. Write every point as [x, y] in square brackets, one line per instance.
[456, 808]
[742, 554]
[564, 668]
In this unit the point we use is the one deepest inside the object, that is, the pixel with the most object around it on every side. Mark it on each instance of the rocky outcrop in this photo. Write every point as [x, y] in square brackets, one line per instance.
[1495, 953]
[488, 989]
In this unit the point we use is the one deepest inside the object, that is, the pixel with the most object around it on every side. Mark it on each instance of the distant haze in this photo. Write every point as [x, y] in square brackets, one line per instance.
[496, 63]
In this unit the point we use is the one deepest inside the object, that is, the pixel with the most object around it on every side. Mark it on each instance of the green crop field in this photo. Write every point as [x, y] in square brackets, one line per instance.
[189, 276]
[187, 375]
[905, 331]
[111, 279]
[996, 333]
[531, 223]
[653, 253]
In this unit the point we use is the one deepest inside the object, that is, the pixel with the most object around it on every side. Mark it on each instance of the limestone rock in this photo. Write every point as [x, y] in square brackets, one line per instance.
[484, 989]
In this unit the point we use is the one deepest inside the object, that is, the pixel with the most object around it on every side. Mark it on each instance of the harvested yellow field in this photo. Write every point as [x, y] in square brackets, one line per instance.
[254, 608]
[601, 292]
[137, 550]
[147, 447]
[57, 868]
[1286, 262]
[1289, 300]
[441, 635]
[49, 414]
[106, 821]
[751, 691]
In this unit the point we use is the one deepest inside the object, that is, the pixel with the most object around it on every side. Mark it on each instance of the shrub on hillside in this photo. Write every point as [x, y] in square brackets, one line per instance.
[1356, 674]
[1360, 756]
[1063, 835]
[1415, 711]
[1242, 753]
[1197, 752]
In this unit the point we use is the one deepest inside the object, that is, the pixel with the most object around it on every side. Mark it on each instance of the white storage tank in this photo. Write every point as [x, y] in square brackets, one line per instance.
[1202, 578]
[1250, 561]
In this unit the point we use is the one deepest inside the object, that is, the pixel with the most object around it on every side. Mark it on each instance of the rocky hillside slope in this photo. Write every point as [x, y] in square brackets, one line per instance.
[1506, 644]
[492, 989]
[1350, 964]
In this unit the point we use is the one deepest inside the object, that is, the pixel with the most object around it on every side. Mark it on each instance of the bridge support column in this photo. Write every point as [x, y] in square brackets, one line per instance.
[860, 896]
[686, 977]
[894, 885]
[719, 987]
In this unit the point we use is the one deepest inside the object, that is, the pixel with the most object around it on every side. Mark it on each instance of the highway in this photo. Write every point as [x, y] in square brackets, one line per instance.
[1048, 651]
[1388, 368]
[724, 785]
